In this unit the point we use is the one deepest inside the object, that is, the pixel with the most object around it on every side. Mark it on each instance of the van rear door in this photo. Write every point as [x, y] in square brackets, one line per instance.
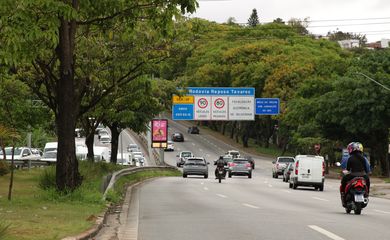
[310, 169]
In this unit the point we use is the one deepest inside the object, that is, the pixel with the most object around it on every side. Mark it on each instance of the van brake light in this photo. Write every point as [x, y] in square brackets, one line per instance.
[296, 167]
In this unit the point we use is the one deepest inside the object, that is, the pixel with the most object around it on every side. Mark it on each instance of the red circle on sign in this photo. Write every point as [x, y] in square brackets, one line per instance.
[219, 103]
[203, 103]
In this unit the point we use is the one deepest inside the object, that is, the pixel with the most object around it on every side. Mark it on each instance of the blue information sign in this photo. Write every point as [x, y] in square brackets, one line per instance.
[183, 112]
[267, 106]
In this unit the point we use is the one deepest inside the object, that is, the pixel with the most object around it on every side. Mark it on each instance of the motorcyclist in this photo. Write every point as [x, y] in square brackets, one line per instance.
[220, 164]
[357, 166]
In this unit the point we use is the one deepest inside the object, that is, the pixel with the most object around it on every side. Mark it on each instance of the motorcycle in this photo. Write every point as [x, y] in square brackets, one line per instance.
[220, 174]
[356, 195]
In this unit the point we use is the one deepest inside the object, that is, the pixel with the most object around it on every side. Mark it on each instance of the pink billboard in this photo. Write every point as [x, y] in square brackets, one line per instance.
[159, 130]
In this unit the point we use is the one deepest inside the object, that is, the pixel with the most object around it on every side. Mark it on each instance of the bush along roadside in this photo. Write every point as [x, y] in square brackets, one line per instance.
[37, 204]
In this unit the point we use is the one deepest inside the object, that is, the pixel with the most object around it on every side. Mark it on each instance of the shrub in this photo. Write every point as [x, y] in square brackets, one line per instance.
[48, 178]
[4, 168]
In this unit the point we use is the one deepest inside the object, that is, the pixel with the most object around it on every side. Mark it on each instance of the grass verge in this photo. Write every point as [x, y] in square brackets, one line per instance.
[42, 213]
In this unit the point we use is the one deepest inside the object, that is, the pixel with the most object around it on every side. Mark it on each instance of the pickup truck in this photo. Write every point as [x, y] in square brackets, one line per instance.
[22, 155]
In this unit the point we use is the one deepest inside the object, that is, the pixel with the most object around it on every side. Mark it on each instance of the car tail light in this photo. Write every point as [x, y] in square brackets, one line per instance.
[277, 165]
[232, 165]
[248, 165]
[296, 167]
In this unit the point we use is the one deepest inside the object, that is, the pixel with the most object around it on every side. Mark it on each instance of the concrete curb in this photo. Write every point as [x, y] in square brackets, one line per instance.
[93, 231]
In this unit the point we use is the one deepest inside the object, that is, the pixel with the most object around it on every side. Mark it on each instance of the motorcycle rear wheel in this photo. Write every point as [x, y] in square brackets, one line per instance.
[348, 210]
[358, 209]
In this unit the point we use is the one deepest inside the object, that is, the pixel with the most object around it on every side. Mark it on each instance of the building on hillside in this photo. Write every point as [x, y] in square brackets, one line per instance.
[349, 43]
[384, 43]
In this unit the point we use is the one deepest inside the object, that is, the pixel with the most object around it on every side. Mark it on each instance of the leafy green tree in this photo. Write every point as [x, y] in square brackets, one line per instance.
[253, 20]
[51, 39]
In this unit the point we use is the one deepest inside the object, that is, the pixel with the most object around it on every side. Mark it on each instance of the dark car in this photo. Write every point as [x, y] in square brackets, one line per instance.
[240, 166]
[193, 130]
[177, 137]
[287, 172]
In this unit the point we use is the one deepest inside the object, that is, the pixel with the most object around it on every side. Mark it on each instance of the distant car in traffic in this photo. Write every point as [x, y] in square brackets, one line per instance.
[287, 172]
[193, 130]
[182, 156]
[132, 147]
[196, 166]
[177, 137]
[228, 160]
[20, 153]
[233, 153]
[240, 166]
[102, 133]
[280, 164]
[105, 139]
[170, 146]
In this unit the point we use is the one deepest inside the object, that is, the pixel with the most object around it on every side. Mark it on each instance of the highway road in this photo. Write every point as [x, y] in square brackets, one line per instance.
[242, 208]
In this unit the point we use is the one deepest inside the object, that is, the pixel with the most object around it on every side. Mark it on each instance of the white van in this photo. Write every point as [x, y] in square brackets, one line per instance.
[309, 171]
[50, 146]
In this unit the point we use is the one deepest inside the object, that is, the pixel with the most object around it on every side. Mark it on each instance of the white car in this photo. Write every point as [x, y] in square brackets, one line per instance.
[170, 146]
[105, 139]
[49, 157]
[132, 147]
[233, 154]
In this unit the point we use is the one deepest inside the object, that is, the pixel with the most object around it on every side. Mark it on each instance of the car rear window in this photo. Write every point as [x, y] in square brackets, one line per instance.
[285, 160]
[195, 162]
[186, 154]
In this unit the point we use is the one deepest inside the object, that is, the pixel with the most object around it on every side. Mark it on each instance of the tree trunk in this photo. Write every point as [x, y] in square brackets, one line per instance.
[223, 129]
[89, 139]
[67, 174]
[380, 150]
[115, 131]
[233, 129]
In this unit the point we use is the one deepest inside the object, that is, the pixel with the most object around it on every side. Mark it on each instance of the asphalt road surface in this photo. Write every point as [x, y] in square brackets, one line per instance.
[242, 208]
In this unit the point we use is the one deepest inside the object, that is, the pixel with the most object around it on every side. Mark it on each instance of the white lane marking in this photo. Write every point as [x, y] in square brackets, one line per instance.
[269, 185]
[379, 211]
[193, 144]
[250, 206]
[221, 195]
[325, 232]
[206, 188]
[265, 181]
[201, 150]
[202, 183]
[287, 191]
[321, 199]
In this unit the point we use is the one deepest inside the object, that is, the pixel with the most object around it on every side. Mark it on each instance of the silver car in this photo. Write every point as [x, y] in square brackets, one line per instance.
[195, 166]
[240, 166]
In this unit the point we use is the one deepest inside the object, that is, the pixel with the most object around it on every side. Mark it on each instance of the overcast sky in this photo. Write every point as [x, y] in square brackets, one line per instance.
[362, 11]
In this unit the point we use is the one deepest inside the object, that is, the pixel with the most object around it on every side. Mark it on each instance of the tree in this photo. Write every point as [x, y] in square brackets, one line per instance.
[300, 26]
[231, 21]
[253, 20]
[48, 37]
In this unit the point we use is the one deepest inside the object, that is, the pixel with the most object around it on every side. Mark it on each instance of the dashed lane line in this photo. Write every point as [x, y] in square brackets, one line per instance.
[325, 232]
[206, 188]
[380, 211]
[320, 199]
[221, 195]
[250, 206]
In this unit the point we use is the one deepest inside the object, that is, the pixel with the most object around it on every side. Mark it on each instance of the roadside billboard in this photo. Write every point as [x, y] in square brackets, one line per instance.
[159, 133]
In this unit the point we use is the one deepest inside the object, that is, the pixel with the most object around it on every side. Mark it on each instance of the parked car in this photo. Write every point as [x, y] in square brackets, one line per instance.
[177, 137]
[132, 147]
[182, 156]
[49, 157]
[36, 151]
[309, 171]
[170, 146]
[193, 130]
[196, 166]
[233, 154]
[279, 165]
[240, 166]
[20, 153]
[287, 172]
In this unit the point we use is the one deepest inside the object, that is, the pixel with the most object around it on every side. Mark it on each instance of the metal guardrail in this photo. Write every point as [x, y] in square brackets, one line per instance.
[28, 163]
[127, 171]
